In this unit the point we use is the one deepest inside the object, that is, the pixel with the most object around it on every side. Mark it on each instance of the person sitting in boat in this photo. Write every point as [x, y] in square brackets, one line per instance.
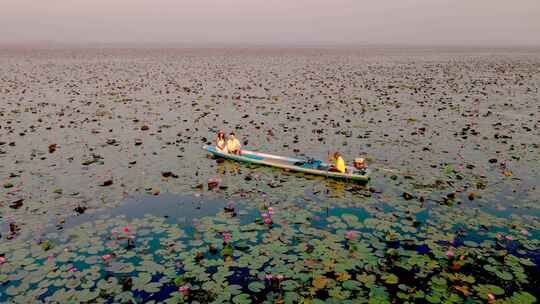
[339, 163]
[221, 144]
[360, 163]
[233, 144]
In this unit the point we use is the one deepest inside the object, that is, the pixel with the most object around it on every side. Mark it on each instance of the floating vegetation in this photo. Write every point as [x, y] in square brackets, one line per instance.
[451, 214]
[339, 257]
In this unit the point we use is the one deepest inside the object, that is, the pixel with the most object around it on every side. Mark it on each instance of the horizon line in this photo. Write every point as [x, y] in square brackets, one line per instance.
[301, 44]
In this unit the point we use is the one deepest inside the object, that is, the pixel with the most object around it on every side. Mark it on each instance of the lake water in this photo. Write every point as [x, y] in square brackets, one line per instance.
[105, 198]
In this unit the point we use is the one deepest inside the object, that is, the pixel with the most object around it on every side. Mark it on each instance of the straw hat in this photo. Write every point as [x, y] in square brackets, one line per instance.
[359, 160]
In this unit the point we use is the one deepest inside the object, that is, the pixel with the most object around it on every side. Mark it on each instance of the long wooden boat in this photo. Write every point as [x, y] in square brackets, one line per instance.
[309, 166]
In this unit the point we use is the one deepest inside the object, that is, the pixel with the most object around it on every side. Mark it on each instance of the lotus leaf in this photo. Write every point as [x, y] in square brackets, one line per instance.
[256, 286]
[320, 282]
[352, 285]
[242, 299]
[484, 289]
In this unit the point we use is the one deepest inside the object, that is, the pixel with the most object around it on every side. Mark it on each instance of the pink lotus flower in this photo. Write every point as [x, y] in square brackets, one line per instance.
[491, 297]
[114, 232]
[268, 277]
[2, 260]
[72, 269]
[125, 229]
[449, 254]
[270, 210]
[524, 232]
[509, 238]
[106, 257]
[226, 237]
[50, 258]
[499, 235]
[184, 290]
[280, 277]
[268, 221]
[265, 215]
[350, 234]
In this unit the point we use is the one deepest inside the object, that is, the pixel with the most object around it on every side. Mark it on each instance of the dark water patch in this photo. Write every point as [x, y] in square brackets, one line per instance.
[176, 209]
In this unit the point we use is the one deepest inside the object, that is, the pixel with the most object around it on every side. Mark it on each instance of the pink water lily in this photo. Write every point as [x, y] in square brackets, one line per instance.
[265, 215]
[2, 260]
[491, 297]
[270, 210]
[524, 232]
[226, 237]
[280, 277]
[106, 257]
[509, 238]
[268, 221]
[268, 276]
[449, 254]
[350, 234]
[114, 232]
[125, 229]
[184, 290]
[72, 269]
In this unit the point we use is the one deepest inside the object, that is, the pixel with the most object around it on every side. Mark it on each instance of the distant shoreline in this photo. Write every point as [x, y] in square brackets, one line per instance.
[324, 46]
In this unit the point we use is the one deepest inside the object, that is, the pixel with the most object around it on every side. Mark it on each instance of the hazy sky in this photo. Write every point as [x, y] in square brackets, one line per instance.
[272, 21]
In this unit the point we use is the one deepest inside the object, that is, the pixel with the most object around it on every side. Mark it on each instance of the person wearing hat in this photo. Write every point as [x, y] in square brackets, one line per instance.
[233, 144]
[221, 145]
[359, 163]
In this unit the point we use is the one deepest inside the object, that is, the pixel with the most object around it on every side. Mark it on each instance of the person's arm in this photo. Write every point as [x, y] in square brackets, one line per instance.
[239, 148]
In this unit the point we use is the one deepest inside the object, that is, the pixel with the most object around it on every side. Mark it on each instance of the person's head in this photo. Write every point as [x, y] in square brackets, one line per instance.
[231, 135]
[221, 134]
[337, 154]
[359, 163]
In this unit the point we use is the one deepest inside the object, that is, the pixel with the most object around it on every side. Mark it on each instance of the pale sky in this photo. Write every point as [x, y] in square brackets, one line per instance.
[504, 22]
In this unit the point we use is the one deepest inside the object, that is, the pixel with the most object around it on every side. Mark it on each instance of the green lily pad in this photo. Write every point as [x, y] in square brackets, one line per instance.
[289, 285]
[352, 285]
[485, 289]
[256, 286]
[390, 278]
[242, 299]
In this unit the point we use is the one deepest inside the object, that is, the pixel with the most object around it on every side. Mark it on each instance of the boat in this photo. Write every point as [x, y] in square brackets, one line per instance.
[308, 165]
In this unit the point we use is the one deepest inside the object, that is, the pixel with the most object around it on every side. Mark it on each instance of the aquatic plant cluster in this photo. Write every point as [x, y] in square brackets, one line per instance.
[306, 255]
[451, 214]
